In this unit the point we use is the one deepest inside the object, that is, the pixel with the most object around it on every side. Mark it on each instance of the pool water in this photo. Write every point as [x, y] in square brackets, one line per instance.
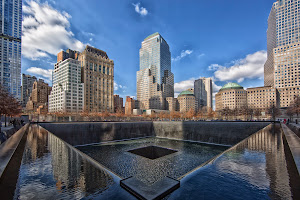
[50, 169]
[117, 157]
[256, 168]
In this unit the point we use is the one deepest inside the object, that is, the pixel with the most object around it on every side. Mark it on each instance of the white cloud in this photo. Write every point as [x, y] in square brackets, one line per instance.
[46, 31]
[141, 10]
[121, 87]
[214, 67]
[201, 55]
[250, 67]
[183, 85]
[183, 54]
[43, 73]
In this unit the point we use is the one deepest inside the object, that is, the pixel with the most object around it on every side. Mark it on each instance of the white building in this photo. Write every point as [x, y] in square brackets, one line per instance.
[67, 91]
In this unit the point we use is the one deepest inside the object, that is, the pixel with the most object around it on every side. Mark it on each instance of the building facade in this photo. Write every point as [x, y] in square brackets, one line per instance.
[262, 97]
[187, 101]
[232, 96]
[10, 46]
[155, 81]
[118, 104]
[38, 96]
[26, 88]
[98, 79]
[172, 104]
[130, 104]
[67, 94]
[283, 39]
[203, 92]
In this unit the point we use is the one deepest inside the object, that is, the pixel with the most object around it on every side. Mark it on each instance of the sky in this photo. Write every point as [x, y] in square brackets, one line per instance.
[224, 40]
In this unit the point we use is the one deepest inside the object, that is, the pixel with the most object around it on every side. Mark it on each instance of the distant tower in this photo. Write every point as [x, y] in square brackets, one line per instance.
[10, 46]
[155, 81]
[26, 89]
[203, 92]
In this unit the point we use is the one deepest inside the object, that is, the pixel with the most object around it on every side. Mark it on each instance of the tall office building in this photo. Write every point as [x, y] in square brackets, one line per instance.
[67, 93]
[10, 46]
[203, 92]
[26, 88]
[283, 38]
[155, 81]
[98, 79]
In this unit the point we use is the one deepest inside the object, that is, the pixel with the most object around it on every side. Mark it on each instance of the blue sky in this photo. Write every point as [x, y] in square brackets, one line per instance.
[222, 39]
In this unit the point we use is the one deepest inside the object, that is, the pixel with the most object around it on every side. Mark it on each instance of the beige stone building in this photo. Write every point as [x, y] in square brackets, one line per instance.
[98, 78]
[172, 104]
[187, 101]
[39, 95]
[234, 96]
[283, 38]
[262, 97]
[231, 96]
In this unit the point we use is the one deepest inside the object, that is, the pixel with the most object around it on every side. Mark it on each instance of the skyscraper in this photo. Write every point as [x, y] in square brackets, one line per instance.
[98, 79]
[203, 92]
[10, 46]
[283, 38]
[155, 81]
[67, 93]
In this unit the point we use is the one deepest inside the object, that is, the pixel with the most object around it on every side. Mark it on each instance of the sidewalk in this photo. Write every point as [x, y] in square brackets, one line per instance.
[295, 128]
[7, 132]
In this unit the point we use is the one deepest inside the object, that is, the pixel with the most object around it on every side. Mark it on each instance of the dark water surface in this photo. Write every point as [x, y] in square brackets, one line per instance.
[51, 170]
[254, 169]
[115, 156]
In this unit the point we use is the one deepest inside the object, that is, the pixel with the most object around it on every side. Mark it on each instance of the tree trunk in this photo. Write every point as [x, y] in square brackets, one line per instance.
[5, 119]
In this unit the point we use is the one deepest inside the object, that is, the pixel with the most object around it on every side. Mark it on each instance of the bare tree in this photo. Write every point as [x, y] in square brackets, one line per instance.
[9, 106]
[290, 112]
[274, 112]
[257, 113]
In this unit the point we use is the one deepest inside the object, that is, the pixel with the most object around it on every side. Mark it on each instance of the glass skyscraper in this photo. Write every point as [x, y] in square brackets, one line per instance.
[155, 81]
[282, 68]
[10, 45]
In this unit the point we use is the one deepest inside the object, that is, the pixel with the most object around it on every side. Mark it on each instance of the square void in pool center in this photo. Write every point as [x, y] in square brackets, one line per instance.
[152, 152]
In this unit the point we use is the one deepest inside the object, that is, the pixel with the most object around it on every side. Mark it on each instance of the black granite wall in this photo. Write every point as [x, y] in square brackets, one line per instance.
[228, 133]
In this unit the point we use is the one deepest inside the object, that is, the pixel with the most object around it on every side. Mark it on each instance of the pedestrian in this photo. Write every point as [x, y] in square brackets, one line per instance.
[296, 121]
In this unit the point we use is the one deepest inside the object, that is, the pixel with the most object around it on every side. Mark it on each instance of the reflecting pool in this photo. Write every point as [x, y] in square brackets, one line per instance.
[254, 169]
[50, 169]
[119, 157]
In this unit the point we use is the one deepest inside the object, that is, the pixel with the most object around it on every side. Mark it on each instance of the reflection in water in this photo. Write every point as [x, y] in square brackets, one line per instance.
[254, 169]
[51, 169]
